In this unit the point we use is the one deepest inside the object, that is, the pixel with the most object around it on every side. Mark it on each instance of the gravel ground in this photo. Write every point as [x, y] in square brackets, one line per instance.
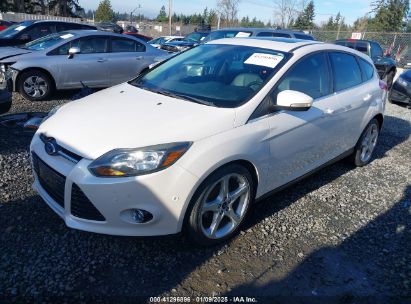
[342, 235]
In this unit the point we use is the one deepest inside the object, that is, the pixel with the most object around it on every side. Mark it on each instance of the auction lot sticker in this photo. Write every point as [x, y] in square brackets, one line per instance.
[267, 60]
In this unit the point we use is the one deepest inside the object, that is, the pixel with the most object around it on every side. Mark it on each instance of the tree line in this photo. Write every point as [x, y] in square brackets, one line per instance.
[65, 8]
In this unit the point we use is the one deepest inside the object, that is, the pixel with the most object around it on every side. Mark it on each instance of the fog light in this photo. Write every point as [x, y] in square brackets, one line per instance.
[136, 216]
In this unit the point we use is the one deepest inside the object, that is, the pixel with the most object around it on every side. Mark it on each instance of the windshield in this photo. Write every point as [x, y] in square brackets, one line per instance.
[47, 41]
[227, 34]
[214, 74]
[13, 30]
[195, 37]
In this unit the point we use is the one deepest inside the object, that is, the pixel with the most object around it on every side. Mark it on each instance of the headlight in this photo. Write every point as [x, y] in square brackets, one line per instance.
[3, 68]
[133, 162]
[402, 82]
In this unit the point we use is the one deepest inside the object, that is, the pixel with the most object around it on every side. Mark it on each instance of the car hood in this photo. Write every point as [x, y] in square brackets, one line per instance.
[9, 52]
[128, 117]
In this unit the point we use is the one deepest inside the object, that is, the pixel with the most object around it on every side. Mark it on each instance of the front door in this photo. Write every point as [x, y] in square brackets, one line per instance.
[302, 141]
[89, 67]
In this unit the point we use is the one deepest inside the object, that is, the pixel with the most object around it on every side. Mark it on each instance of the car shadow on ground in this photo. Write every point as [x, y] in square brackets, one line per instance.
[42, 258]
[381, 259]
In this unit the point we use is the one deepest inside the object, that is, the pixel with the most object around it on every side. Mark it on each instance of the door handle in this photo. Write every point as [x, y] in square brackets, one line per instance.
[367, 97]
[139, 57]
[101, 60]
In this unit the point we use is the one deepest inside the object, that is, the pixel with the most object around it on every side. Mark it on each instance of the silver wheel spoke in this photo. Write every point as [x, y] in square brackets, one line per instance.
[224, 187]
[213, 206]
[237, 193]
[217, 218]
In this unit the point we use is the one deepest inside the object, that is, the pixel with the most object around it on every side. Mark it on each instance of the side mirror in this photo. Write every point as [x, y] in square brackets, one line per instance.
[73, 51]
[293, 101]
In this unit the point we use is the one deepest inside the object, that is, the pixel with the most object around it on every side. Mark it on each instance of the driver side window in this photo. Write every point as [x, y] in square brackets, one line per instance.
[309, 76]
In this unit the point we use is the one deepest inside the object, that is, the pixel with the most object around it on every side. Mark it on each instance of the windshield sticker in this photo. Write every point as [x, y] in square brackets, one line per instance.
[242, 34]
[267, 60]
[66, 36]
[20, 28]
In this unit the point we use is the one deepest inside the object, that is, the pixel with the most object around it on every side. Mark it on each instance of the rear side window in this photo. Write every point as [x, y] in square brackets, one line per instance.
[309, 76]
[376, 51]
[38, 30]
[121, 45]
[367, 69]
[362, 47]
[304, 37]
[346, 71]
[272, 34]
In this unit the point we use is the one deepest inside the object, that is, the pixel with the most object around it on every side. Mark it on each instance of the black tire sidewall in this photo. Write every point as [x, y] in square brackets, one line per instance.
[357, 151]
[191, 227]
[32, 73]
[5, 107]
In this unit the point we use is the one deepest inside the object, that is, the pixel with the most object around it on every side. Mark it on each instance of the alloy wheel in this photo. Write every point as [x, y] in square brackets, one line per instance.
[35, 86]
[369, 142]
[224, 206]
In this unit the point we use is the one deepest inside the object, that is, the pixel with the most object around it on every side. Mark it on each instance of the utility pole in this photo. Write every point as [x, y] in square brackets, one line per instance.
[169, 14]
[131, 14]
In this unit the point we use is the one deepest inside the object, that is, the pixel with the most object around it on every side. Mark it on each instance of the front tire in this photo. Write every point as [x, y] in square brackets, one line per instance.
[35, 85]
[366, 144]
[220, 205]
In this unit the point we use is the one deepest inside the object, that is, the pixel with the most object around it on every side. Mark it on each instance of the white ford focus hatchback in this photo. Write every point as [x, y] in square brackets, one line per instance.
[190, 144]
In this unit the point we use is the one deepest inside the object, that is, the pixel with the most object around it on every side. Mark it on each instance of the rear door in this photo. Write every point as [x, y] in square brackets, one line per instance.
[89, 67]
[127, 59]
[353, 94]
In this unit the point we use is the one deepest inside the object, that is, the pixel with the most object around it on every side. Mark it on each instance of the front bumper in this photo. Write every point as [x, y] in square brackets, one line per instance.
[165, 194]
[400, 93]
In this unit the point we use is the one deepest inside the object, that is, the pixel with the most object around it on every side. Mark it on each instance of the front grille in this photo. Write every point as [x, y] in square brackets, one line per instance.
[50, 180]
[82, 207]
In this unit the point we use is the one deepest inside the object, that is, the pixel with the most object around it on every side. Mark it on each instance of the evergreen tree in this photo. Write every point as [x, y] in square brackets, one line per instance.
[162, 16]
[104, 12]
[305, 19]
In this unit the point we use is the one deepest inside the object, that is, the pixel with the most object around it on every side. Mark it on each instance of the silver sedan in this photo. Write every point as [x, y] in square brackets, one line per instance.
[70, 59]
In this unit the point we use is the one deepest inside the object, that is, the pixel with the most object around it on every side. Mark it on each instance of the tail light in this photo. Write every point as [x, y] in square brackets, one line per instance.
[383, 85]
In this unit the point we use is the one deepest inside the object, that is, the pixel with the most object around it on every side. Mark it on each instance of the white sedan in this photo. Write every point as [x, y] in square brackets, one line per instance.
[189, 145]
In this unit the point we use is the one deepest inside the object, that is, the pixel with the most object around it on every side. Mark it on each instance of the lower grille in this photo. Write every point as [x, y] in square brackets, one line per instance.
[50, 180]
[82, 207]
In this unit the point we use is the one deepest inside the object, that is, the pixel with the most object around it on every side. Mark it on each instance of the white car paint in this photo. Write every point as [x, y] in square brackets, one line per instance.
[281, 146]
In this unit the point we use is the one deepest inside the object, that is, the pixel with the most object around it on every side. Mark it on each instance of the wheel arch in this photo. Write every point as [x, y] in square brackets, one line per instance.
[18, 78]
[380, 118]
[248, 165]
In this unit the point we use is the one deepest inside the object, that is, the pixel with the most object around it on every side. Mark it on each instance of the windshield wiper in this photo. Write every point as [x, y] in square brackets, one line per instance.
[185, 97]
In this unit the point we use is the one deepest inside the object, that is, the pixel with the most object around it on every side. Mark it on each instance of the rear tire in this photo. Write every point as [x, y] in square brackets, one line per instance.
[365, 146]
[35, 85]
[220, 206]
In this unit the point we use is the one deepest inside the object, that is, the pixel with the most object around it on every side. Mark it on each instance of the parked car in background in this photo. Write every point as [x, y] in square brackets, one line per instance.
[191, 144]
[26, 31]
[159, 41]
[189, 41]
[386, 66]
[109, 27]
[404, 60]
[66, 60]
[401, 89]
[258, 32]
[4, 24]
[139, 36]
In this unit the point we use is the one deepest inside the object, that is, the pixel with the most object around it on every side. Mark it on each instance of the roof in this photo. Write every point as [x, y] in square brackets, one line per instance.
[356, 40]
[41, 21]
[279, 44]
